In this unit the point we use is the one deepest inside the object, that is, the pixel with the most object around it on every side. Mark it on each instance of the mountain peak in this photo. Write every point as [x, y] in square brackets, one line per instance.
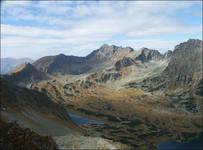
[130, 48]
[189, 45]
[106, 47]
[61, 55]
[193, 40]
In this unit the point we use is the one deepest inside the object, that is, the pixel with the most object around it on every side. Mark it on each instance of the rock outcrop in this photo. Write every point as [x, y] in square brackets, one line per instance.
[149, 54]
[125, 62]
[168, 54]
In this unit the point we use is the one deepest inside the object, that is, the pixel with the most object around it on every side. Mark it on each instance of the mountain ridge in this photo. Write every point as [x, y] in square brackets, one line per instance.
[96, 59]
[106, 55]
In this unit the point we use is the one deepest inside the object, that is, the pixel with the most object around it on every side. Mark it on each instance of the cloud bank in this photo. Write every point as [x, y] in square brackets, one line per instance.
[34, 29]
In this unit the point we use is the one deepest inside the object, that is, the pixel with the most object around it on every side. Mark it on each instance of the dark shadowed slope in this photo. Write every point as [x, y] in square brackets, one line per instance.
[26, 74]
[33, 109]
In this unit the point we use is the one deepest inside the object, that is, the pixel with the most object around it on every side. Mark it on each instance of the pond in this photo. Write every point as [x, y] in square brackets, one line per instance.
[80, 120]
[195, 144]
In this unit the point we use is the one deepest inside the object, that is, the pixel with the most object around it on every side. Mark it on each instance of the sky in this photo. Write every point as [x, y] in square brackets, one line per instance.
[36, 29]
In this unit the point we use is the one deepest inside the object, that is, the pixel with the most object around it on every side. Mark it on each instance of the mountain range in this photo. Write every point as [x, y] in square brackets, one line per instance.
[157, 93]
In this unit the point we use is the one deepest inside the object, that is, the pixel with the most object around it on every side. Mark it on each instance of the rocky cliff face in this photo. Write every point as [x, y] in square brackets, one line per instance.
[185, 66]
[168, 54]
[149, 54]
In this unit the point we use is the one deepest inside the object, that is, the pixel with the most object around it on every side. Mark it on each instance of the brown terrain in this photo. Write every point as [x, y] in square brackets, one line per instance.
[142, 97]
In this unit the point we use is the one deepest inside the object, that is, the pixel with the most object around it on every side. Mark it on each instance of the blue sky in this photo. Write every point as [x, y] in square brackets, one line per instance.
[35, 29]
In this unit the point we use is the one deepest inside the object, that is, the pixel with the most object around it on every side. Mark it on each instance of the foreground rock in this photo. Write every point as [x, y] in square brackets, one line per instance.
[15, 137]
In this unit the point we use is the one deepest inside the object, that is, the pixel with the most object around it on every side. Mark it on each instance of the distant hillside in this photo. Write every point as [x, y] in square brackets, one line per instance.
[7, 64]
[26, 74]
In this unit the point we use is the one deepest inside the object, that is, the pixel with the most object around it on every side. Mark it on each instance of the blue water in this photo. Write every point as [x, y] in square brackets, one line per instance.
[195, 144]
[82, 120]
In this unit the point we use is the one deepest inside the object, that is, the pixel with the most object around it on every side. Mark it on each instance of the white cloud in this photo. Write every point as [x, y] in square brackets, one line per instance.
[79, 25]
[13, 4]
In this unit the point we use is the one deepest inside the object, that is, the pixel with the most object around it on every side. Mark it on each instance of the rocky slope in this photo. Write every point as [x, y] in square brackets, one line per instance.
[185, 66]
[168, 54]
[149, 54]
[125, 62]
